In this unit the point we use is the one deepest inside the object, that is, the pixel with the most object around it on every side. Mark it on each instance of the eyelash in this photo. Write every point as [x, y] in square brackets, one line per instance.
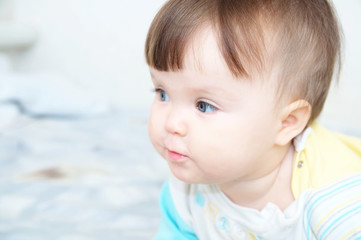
[201, 106]
[160, 92]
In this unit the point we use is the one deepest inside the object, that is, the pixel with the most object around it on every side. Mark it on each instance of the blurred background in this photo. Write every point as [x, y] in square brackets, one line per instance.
[97, 44]
[75, 93]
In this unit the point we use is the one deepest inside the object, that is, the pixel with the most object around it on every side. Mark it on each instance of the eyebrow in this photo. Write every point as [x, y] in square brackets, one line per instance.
[213, 90]
[205, 90]
[210, 90]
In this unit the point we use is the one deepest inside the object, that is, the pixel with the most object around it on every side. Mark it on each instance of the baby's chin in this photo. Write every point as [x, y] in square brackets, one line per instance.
[185, 176]
[192, 178]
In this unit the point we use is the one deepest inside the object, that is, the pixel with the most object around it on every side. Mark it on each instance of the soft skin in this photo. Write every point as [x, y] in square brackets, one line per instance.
[213, 128]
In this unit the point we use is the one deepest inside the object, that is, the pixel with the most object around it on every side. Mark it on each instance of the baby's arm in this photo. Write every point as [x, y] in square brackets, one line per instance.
[172, 226]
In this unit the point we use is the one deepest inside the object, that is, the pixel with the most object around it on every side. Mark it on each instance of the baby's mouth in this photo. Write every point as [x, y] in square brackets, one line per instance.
[175, 156]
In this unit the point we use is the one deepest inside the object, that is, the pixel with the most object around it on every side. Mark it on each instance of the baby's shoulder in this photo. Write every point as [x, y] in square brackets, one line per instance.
[333, 210]
[323, 156]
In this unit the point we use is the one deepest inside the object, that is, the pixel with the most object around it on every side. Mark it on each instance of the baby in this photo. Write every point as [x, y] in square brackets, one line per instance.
[239, 84]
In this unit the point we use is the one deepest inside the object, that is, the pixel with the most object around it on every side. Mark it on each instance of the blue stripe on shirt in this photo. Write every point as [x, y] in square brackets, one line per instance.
[172, 226]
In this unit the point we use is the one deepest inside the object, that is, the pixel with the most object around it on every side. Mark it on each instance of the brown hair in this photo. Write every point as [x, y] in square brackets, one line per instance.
[298, 38]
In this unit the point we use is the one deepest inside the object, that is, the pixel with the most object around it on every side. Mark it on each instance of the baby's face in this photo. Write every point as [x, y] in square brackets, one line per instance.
[209, 126]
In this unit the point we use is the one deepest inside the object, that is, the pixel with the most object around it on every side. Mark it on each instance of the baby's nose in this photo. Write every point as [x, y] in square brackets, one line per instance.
[176, 122]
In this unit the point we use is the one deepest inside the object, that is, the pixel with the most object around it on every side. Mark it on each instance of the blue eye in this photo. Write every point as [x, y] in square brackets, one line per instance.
[206, 107]
[163, 96]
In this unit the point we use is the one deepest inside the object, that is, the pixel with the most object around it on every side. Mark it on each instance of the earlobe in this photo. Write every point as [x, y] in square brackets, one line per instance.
[294, 118]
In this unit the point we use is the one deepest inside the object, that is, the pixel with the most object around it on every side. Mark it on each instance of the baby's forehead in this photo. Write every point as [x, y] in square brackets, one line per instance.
[203, 52]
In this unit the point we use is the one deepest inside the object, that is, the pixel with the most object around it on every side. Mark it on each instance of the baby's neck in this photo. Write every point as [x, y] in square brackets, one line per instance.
[274, 187]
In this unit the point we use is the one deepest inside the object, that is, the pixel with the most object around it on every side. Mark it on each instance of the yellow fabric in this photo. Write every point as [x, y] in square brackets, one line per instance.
[327, 156]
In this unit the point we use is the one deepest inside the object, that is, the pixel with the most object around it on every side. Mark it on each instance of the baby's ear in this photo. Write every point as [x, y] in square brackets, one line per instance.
[294, 119]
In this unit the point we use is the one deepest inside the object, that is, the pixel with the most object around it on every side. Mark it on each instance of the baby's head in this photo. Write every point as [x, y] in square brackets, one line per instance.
[236, 81]
[295, 43]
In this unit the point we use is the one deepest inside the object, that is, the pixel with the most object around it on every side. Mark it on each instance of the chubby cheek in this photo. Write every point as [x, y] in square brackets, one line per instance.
[211, 147]
[222, 146]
